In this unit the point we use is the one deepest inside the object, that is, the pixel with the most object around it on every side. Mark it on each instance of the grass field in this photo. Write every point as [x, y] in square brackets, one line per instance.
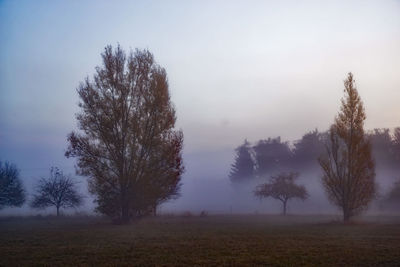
[205, 241]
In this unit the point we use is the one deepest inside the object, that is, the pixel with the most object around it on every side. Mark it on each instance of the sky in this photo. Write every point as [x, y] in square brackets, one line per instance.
[236, 70]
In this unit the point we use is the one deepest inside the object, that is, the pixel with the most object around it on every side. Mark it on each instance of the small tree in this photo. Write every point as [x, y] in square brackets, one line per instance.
[348, 167]
[11, 191]
[58, 190]
[283, 188]
[243, 168]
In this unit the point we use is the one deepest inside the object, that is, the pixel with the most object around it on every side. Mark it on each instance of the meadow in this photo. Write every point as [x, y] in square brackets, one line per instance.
[217, 240]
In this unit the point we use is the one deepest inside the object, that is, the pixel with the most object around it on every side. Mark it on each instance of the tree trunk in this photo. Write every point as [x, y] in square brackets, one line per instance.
[125, 218]
[58, 211]
[155, 210]
[284, 208]
[346, 215]
[125, 214]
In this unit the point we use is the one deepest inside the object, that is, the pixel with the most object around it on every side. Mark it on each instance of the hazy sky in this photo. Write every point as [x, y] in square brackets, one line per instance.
[237, 69]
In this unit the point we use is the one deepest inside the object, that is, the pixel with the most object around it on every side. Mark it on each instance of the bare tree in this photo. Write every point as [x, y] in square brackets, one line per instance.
[127, 144]
[283, 188]
[349, 170]
[58, 190]
[11, 191]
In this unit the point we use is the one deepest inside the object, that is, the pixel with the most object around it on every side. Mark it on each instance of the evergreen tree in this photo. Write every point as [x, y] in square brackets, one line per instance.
[243, 168]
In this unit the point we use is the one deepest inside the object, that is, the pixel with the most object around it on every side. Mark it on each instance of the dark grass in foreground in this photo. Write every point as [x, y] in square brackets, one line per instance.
[212, 240]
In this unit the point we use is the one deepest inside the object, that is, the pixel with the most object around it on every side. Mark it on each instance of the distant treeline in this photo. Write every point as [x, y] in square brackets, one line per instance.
[273, 155]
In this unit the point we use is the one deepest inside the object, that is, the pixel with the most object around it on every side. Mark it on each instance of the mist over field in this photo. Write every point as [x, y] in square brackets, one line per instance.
[200, 133]
[235, 71]
[210, 189]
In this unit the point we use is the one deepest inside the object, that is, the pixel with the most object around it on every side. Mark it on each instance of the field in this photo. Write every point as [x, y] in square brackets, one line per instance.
[202, 241]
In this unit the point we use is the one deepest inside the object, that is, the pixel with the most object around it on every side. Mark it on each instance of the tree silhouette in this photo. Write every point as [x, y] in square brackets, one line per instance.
[272, 155]
[394, 194]
[307, 150]
[383, 148]
[127, 144]
[349, 170]
[11, 191]
[242, 169]
[396, 142]
[58, 190]
[283, 188]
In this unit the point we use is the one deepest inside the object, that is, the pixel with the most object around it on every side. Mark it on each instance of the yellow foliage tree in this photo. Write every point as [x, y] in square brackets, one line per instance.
[348, 167]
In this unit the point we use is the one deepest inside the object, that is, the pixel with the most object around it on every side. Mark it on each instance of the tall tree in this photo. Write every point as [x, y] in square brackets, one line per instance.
[127, 144]
[242, 169]
[12, 192]
[348, 167]
[283, 188]
[59, 191]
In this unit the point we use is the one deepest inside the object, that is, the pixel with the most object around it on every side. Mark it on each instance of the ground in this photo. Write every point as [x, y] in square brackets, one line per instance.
[203, 241]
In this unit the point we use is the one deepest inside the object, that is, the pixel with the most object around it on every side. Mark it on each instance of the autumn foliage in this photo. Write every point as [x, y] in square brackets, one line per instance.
[348, 167]
[127, 144]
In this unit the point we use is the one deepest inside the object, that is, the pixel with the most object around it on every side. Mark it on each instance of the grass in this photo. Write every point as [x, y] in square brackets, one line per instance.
[211, 241]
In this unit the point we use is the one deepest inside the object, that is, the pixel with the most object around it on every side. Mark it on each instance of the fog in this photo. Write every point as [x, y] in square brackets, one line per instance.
[209, 189]
[235, 70]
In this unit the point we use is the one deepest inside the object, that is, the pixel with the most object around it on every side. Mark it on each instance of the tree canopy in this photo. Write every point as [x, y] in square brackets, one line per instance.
[127, 144]
[307, 149]
[348, 166]
[272, 155]
[12, 193]
[282, 187]
[58, 190]
[242, 169]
